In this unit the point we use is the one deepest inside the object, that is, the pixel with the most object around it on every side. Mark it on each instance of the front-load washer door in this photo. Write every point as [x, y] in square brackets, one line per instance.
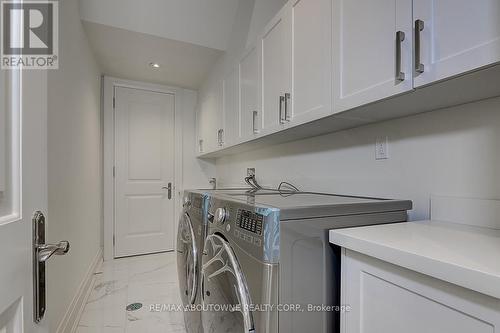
[225, 296]
[187, 260]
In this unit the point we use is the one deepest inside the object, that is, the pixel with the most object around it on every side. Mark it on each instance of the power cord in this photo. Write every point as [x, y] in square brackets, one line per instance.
[283, 188]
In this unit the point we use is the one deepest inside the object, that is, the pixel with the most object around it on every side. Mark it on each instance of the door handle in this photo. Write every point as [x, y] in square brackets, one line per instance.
[254, 122]
[45, 251]
[200, 145]
[169, 189]
[419, 27]
[287, 98]
[281, 101]
[400, 75]
[41, 253]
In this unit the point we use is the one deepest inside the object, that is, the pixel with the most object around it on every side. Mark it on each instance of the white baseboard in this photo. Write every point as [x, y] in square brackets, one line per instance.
[71, 318]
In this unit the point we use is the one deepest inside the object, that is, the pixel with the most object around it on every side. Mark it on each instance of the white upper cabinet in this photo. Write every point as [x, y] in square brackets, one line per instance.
[297, 64]
[211, 119]
[250, 104]
[231, 107]
[370, 60]
[311, 96]
[276, 71]
[372, 41]
[456, 36]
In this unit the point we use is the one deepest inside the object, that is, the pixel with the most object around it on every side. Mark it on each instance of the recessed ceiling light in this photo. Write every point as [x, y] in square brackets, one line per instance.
[154, 65]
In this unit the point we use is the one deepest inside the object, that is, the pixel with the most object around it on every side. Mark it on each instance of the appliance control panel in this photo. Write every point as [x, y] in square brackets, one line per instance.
[250, 221]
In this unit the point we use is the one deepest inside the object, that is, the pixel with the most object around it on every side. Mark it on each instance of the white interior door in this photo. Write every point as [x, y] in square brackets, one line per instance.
[144, 172]
[22, 192]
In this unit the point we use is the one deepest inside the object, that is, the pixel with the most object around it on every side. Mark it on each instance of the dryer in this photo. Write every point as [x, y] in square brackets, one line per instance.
[267, 253]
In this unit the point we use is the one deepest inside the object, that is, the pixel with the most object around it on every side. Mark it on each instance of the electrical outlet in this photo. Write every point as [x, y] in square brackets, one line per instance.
[382, 148]
[250, 172]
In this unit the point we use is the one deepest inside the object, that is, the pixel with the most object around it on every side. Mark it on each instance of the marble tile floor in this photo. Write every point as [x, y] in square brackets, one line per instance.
[150, 279]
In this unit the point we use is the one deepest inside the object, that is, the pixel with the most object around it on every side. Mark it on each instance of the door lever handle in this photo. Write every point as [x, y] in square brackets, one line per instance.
[41, 253]
[169, 189]
[45, 251]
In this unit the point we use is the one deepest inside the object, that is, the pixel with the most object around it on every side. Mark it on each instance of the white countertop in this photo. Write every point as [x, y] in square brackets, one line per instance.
[462, 255]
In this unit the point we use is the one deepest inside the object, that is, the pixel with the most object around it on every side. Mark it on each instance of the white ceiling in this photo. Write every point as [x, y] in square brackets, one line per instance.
[126, 54]
[202, 22]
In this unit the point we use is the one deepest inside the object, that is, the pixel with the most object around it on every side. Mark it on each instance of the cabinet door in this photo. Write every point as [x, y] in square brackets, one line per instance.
[390, 299]
[458, 36]
[311, 96]
[251, 115]
[211, 120]
[276, 69]
[368, 55]
[200, 143]
[231, 107]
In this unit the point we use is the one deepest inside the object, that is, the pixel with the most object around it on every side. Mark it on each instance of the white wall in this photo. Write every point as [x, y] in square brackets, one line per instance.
[452, 152]
[74, 161]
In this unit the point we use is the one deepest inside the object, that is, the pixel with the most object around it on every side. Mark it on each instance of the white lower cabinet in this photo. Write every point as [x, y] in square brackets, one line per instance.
[386, 298]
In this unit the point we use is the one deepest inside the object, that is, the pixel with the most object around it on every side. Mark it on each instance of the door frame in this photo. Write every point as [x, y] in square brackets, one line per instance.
[109, 84]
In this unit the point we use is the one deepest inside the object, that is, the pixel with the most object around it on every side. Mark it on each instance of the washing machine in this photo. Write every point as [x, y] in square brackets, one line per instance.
[267, 264]
[191, 233]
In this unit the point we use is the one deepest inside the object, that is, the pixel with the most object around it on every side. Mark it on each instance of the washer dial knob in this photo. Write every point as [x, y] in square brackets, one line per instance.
[221, 215]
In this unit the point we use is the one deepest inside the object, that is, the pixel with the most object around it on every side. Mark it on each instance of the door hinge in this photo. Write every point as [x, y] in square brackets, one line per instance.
[114, 172]
[114, 102]
[113, 240]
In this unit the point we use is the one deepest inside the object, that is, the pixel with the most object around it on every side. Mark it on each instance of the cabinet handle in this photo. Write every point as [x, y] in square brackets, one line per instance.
[400, 37]
[419, 27]
[222, 137]
[282, 118]
[219, 137]
[287, 98]
[254, 122]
